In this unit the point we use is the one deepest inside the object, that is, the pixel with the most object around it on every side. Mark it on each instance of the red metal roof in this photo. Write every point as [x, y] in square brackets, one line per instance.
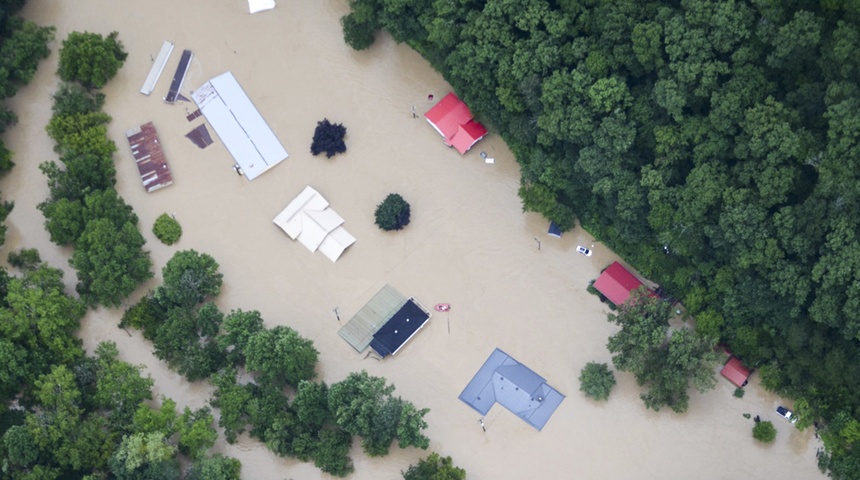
[736, 372]
[453, 120]
[466, 136]
[616, 283]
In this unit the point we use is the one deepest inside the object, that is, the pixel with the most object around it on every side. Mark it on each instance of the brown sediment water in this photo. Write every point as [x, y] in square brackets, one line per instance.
[469, 244]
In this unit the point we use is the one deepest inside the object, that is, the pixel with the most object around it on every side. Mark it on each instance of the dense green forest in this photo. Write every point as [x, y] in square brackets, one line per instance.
[715, 145]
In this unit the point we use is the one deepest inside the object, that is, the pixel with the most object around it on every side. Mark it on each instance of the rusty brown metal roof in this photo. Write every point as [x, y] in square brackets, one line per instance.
[154, 172]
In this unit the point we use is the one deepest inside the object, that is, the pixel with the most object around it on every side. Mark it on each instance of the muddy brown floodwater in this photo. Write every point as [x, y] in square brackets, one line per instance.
[469, 244]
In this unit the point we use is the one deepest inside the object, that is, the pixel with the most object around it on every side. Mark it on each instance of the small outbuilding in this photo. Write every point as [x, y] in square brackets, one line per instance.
[453, 120]
[616, 283]
[735, 371]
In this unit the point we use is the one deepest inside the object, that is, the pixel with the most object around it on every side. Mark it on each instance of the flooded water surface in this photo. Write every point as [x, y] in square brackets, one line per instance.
[468, 244]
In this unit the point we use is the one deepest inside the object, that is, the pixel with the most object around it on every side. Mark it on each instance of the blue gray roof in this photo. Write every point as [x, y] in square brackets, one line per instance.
[514, 386]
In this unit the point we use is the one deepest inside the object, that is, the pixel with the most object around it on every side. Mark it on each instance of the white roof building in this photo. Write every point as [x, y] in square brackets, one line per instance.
[309, 220]
[260, 5]
[239, 125]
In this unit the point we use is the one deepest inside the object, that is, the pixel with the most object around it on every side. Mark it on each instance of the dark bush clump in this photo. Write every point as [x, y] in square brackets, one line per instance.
[393, 213]
[328, 138]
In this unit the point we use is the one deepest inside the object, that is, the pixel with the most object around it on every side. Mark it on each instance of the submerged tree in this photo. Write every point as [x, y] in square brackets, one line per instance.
[596, 380]
[90, 58]
[167, 229]
[666, 364]
[393, 213]
[328, 138]
[764, 432]
[434, 467]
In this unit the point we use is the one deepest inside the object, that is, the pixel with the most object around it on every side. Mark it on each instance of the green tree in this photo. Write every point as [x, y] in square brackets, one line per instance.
[393, 213]
[41, 318]
[666, 366]
[239, 327]
[141, 452]
[19, 447]
[311, 404]
[185, 339]
[163, 419]
[596, 380]
[73, 99]
[167, 229]
[434, 467]
[120, 387]
[764, 432]
[110, 262]
[216, 467]
[411, 425]
[280, 356]
[90, 58]
[332, 454]
[188, 279]
[361, 24]
[232, 399]
[27, 259]
[355, 401]
[23, 49]
[196, 433]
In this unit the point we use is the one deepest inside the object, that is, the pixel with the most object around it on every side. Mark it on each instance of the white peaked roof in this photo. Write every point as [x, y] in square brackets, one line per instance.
[260, 5]
[239, 125]
[309, 220]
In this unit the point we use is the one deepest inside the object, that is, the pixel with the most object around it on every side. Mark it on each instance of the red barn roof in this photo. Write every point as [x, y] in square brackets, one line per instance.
[736, 372]
[453, 120]
[616, 283]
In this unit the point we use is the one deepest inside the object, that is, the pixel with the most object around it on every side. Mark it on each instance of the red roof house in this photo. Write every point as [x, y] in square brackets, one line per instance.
[736, 372]
[616, 283]
[453, 120]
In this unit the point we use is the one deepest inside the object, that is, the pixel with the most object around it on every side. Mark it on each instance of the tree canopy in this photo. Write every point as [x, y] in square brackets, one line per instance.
[710, 143]
[90, 58]
[666, 363]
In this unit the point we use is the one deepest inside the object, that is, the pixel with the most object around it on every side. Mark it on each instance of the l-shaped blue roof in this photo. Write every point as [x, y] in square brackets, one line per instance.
[514, 386]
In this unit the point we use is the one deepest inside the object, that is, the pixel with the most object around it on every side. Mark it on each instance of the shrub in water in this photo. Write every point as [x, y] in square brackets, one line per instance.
[328, 138]
[764, 432]
[596, 380]
[167, 229]
[393, 213]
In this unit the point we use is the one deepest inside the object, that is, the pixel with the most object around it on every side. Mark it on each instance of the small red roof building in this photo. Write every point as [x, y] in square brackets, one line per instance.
[616, 283]
[453, 120]
[736, 372]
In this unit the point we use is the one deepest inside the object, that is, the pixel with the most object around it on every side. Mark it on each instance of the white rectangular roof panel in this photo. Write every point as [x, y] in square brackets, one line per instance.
[157, 67]
[239, 124]
[260, 5]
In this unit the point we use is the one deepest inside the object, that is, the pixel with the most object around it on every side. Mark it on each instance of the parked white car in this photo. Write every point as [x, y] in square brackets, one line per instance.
[786, 413]
[583, 250]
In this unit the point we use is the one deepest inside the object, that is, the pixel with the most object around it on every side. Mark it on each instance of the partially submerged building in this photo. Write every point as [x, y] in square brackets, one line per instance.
[385, 323]
[149, 157]
[616, 283]
[309, 219]
[735, 371]
[453, 120]
[239, 125]
[514, 386]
